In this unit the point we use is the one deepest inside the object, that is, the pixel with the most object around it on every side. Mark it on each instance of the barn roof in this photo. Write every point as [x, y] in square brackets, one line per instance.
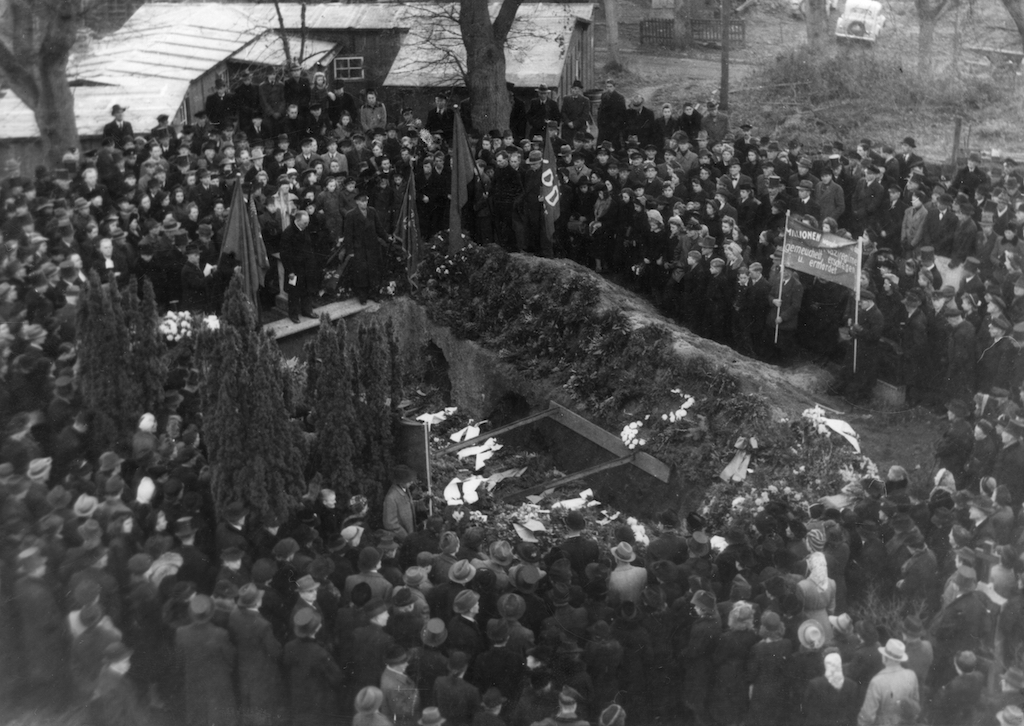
[149, 63]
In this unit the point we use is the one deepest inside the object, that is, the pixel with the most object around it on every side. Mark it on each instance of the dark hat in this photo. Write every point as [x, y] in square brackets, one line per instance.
[434, 633]
[117, 109]
[200, 609]
[305, 622]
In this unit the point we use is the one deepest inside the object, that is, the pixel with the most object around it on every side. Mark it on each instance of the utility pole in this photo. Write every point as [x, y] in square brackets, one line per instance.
[723, 99]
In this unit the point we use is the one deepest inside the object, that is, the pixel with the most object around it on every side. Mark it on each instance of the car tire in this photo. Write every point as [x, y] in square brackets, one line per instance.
[857, 29]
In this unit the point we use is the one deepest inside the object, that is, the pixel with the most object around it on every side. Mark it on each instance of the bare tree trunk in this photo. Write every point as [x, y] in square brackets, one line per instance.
[485, 62]
[55, 112]
[723, 95]
[611, 19]
[34, 64]
[817, 23]
[680, 24]
[1016, 10]
[302, 33]
[928, 14]
[925, 42]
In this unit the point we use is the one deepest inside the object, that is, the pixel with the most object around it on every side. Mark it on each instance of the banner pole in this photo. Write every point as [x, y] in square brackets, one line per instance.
[782, 269]
[856, 302]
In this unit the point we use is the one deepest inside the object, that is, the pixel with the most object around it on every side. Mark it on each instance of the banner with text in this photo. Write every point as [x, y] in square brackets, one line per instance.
[821, 254]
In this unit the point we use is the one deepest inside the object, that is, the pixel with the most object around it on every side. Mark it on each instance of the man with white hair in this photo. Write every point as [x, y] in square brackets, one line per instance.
[892, 684]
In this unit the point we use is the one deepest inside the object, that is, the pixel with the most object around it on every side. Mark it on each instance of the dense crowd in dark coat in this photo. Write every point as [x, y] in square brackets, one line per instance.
[125, 591]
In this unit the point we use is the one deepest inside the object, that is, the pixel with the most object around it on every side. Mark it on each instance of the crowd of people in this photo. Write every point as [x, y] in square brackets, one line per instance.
[127, 593]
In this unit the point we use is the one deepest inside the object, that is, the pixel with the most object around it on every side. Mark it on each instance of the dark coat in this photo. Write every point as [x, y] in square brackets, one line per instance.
[611, 115]
[368, 645]
[995, 365]
[366, 239]
[766, 672]
[823, 705]
[499, 668]
[696, 658]
[961, 359]
[465, 635]
[43, 632]
[1009, 469]
[119, 135]
[954, 448]
[729, 695]
[193, 288]
[313, 680]
[260, 681]
[955, 702]
[299, 258]
[456, 699]
[938, 233]
[206, 658]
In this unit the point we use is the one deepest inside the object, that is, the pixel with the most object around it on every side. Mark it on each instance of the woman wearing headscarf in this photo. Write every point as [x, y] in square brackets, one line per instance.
[831, 699]
[818, 588]
[767, 672]
[730, 693]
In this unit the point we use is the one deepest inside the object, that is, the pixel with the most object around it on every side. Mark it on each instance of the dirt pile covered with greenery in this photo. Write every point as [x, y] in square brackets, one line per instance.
[689, 402]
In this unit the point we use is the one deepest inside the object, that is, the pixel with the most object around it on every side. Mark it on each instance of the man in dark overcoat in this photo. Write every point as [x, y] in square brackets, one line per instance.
[43, 629]
[206, 658]
[300, 267]
[313, 676]
[367, 240]
[260, 681]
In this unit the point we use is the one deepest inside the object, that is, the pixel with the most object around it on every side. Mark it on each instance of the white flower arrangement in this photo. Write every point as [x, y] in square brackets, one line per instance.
[211, 323]
[639, 531]
[631, 435]
[176, 326]
[680, 413]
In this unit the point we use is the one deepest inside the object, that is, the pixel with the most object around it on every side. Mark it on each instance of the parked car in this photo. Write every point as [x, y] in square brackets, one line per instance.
[861, 20]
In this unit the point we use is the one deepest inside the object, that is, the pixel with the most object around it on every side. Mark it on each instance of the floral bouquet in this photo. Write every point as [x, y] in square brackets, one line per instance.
[176, 326]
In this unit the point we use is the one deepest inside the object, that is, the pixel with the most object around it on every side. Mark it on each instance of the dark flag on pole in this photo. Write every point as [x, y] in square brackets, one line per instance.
[463, 170]
[549, 189]
[407, 231]
[242, 237]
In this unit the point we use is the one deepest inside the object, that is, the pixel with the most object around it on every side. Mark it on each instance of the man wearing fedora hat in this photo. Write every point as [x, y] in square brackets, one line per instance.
[118, 130]
[260, 680]
[892, 684]
[626, 581]
[312, 676]
[960, 625]
[463, 630]
[498, 667]
[401, 698]
[1009, 693]
[207, 659]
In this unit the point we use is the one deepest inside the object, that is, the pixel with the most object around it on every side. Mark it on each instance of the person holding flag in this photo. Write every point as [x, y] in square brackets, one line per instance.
[532, 206]
[860, 370]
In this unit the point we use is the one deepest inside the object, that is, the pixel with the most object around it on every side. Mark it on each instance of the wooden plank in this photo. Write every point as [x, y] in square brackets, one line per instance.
[336, 310]
[610, 442]
[526, 420]
[568, 479]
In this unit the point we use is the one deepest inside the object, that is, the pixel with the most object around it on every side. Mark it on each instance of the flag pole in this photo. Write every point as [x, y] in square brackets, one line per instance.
[782, 269]
[856, 302]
